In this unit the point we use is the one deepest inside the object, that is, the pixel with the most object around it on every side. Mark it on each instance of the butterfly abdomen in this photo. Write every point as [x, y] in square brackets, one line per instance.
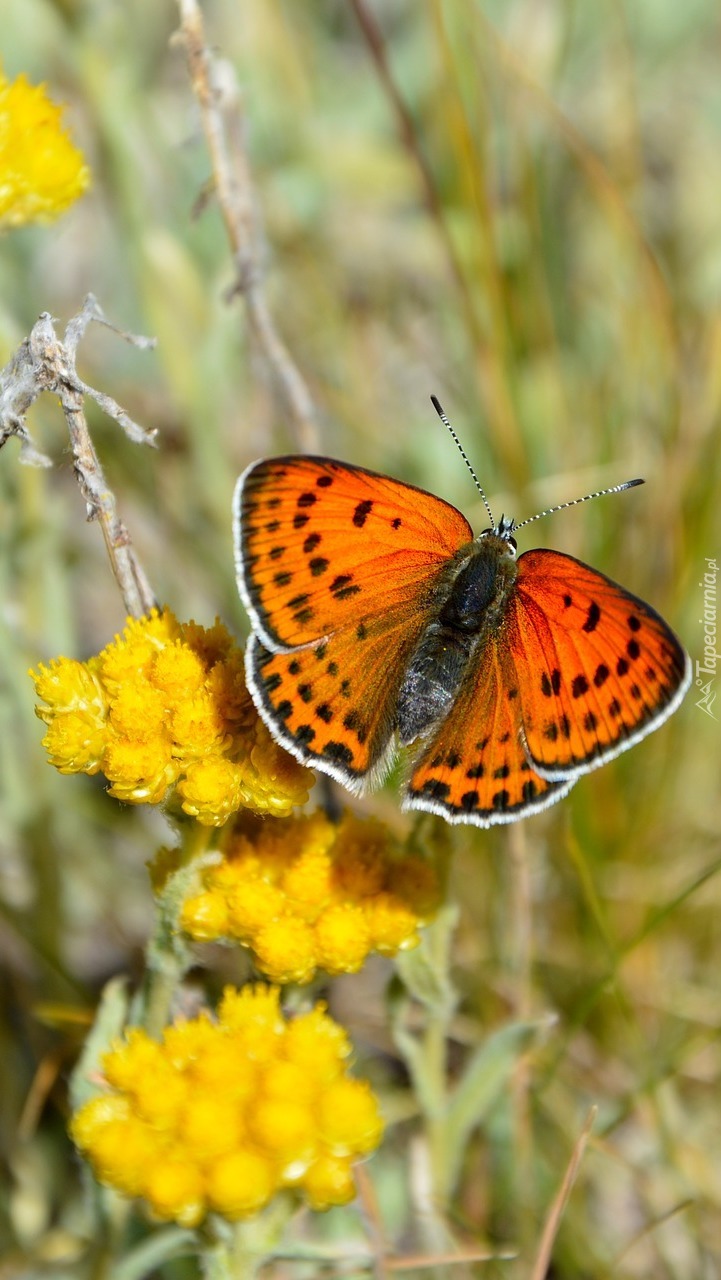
[472, 606]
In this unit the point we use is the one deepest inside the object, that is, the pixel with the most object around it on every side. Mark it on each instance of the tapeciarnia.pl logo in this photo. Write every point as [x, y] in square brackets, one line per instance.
[710, 657]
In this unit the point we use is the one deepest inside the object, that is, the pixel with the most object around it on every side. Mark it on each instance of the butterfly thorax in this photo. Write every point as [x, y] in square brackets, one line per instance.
[470, 606]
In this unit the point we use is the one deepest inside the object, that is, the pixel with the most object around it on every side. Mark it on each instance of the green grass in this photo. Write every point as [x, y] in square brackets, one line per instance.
[555, 279]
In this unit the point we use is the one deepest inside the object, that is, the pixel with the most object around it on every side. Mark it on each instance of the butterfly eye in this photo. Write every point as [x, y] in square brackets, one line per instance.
[512, 546]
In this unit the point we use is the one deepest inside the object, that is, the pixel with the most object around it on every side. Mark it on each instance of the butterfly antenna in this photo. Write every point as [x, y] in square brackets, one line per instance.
[600, 493]
[437, 406]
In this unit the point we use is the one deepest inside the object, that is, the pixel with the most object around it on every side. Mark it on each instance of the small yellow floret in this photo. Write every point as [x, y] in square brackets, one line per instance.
[283, 1128]
[392, 924]
[317, 1044]
[174, 1190]
[104, 1110]
[67, 685]
[210, 790]
[75, 742]
[251, 906]
[348, 1117]
[124, 1152]
[177, 671]
[138, 712]
[240, 1184]
[328, 1182]
[286, 950]
[273, 782]
[308, 882]
[342, 938]
[205, 917]
[139, 772]
[211, 1126]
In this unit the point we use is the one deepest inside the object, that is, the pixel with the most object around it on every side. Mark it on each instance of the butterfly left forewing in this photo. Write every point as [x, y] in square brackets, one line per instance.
[597, 668]
[473, 767]
[319, 543]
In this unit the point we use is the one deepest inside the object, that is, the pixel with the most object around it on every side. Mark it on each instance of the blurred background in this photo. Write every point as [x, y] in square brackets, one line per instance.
[514, 206]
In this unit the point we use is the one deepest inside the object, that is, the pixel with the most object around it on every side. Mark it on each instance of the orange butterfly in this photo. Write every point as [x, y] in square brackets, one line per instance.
[376, 613]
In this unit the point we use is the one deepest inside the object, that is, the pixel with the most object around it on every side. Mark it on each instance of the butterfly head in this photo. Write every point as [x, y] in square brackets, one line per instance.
[504, 531]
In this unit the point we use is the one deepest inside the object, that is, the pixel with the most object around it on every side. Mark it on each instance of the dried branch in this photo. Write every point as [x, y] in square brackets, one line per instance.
[45, 363]
[214, 85]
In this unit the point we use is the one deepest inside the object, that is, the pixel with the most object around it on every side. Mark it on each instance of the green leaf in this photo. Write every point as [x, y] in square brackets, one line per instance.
[485, 1077]
[111, 1017]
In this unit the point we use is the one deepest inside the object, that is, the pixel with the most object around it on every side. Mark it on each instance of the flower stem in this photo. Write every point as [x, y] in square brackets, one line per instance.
[168, 954]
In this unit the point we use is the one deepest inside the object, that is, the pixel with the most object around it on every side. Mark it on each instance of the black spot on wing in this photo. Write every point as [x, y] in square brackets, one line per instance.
[338, 753]
[318, 565]
[361, 513]
[551, 684]
[435, 789]
[592, 617]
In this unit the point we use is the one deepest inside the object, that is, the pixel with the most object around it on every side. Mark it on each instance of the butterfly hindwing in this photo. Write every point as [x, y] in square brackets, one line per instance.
[473, 767]
[319, 544]
[597, 668]
[333, 703]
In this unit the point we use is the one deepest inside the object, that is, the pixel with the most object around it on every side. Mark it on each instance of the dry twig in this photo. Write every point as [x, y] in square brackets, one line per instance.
[553, 1221]
[214, 85]
[43, 362]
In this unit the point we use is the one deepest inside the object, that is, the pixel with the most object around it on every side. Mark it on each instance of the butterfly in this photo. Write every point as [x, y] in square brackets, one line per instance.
[377, 616]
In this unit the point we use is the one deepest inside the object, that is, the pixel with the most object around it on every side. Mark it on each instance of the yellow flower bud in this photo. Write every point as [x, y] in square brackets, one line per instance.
[329, 1181]
[240, 1184]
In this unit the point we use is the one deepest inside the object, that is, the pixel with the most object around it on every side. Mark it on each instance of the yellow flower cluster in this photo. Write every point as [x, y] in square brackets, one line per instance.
[42, 172]
[305, 893]
[219, 1116]
[166, 705]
